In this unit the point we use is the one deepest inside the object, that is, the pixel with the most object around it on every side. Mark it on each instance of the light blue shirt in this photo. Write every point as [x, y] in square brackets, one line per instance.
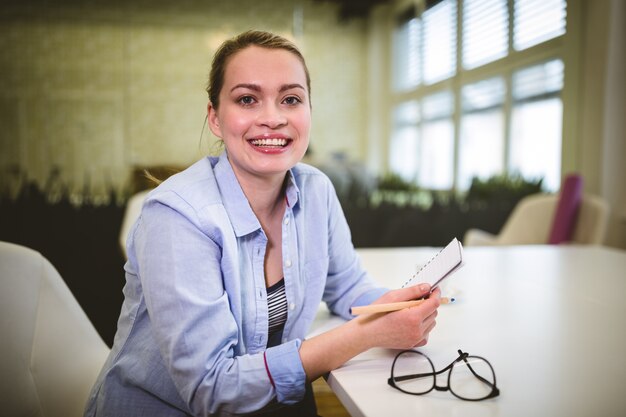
[193, 329]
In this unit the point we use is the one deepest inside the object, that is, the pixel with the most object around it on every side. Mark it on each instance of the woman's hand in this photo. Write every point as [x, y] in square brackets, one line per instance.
[402, 329]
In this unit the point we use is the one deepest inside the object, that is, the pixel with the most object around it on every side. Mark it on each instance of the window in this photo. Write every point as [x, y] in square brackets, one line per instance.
[536, 123]
[404, 155]
[481, 139]
[422, 143]
[495, 109]
[437, 145]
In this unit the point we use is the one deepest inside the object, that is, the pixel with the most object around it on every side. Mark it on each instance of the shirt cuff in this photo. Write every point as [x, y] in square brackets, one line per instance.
[285, 368]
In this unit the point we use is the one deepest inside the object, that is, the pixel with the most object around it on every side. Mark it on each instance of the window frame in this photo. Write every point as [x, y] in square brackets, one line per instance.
[561, 47]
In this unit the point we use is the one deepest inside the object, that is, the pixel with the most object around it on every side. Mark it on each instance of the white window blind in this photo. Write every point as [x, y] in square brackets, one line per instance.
[483, 95]
[439, 41]
[485, 31]
[406, 55]
[537, 21]
[538, 80]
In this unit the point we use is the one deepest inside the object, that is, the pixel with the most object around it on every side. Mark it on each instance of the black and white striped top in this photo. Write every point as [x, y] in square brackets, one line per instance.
[277, 306]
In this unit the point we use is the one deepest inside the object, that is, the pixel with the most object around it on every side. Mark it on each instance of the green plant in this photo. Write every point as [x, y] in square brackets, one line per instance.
[507, 188]
[394, 182]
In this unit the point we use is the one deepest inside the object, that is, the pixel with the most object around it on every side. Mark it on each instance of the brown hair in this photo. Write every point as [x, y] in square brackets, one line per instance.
[240, 42]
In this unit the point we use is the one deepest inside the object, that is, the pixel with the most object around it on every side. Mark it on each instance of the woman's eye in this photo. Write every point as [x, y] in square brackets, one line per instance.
[292, 100]
[246, 100]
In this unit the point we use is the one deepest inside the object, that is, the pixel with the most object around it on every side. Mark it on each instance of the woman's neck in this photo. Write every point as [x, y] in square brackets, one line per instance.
[266, 195]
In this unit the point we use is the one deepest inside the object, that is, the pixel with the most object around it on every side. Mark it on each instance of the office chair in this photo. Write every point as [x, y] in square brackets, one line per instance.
[131, 214]
[531, 222]
[50, 353]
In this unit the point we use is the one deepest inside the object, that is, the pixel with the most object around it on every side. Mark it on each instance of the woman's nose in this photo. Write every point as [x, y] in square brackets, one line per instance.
[271, 116]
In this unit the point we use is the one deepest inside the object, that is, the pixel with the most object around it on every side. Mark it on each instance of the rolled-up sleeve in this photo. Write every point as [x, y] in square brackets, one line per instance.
[286, 370]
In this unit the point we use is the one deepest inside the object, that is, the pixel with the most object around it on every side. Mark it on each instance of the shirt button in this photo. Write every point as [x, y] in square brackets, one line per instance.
[292, 306]
[286, 221]
[288, 263]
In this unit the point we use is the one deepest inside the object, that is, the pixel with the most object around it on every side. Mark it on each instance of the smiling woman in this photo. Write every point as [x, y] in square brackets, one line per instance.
[264, 115]
[229, 260]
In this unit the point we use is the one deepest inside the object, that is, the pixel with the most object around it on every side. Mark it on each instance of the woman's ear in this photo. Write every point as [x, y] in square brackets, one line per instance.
[214, 122]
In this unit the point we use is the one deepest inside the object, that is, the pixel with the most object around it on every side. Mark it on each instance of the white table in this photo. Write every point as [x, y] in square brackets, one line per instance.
[551, 320]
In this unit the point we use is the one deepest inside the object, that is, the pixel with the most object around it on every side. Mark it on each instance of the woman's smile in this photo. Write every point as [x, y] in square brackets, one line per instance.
[270, 143]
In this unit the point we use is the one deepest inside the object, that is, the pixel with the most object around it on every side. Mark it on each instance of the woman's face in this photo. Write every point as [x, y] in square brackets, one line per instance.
[264, 115]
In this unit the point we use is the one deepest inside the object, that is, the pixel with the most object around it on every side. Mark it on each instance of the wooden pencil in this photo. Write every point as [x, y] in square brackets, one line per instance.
[388, 307]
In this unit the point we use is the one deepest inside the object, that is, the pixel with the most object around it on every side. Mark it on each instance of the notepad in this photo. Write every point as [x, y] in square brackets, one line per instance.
[439, 267]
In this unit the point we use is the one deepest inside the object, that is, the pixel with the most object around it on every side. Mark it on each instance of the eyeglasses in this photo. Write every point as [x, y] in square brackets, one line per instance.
[470, 378]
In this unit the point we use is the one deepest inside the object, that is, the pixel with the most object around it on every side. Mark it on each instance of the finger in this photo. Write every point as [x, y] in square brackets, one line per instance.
[427, 327]
[436, 293]
[422, 342]
[420, 290]
[409, 293]
[432, 316]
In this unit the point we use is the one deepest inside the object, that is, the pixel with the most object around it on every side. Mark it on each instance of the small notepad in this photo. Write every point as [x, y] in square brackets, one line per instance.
[440, 266]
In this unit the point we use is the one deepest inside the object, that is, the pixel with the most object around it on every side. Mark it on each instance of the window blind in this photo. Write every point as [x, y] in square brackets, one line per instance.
[482, 95]
[439, 41]
[406, 54]
[538, 80]
[537, 21]
[485, 31]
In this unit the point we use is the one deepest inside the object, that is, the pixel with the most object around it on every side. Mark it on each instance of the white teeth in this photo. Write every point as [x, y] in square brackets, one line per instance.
[269, 142]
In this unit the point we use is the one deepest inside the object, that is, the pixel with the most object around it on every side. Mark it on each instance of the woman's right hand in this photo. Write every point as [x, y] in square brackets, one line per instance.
[406, 328]
[402, 329]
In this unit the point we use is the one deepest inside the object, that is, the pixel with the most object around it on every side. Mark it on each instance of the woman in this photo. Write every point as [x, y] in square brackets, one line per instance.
[230, 259]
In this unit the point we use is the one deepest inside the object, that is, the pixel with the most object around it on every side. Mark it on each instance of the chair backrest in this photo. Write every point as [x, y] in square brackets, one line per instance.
[592, 221]
[50, 353]
[131, 214]
[531, 221]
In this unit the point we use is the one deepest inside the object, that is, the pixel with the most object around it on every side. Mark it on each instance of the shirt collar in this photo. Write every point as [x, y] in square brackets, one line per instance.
[292, 191]
[235, 202]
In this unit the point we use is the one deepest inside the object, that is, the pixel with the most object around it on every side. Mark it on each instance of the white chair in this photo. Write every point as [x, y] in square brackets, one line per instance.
[50, 353]
[131, 214]
[532, 218]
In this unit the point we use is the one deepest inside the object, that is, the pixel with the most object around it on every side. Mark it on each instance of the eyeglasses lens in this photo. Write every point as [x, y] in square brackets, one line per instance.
[407, 366]
[472, 378]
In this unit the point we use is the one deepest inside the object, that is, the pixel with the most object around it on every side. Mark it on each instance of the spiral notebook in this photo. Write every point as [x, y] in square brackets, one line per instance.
[439, 267]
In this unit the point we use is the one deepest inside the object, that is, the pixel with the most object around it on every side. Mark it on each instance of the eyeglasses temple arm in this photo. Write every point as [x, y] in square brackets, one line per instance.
[464, 358]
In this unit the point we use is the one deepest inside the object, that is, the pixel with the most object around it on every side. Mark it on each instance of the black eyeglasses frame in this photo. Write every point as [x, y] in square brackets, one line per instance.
[463, 356]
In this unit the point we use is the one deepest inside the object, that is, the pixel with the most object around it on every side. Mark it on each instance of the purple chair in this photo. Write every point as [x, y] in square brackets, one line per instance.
[564, 221]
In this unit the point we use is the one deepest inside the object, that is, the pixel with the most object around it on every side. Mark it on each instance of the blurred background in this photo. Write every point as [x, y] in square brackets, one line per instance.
[430, 116]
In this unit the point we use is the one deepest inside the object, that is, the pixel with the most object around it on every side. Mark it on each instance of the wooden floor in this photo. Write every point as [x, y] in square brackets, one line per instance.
[328, 405]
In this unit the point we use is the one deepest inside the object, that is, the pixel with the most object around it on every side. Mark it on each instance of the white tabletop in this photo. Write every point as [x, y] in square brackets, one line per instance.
[551, 320]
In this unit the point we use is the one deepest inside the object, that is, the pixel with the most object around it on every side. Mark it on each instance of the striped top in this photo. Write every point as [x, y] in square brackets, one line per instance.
[276, 306]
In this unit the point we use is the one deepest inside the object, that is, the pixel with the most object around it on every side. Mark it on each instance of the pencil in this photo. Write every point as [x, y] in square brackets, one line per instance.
[385, 308]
